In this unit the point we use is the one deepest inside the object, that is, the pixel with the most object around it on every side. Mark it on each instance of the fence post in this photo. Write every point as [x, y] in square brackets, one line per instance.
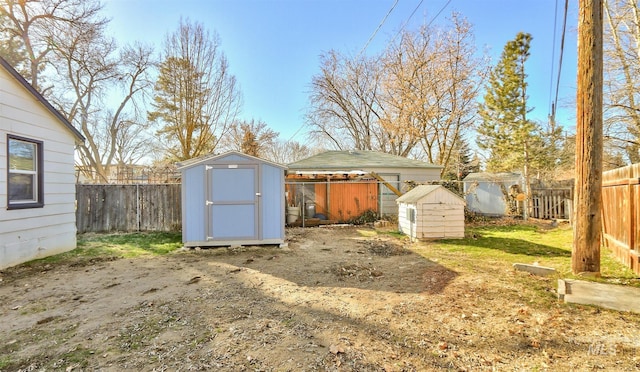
[137, 207]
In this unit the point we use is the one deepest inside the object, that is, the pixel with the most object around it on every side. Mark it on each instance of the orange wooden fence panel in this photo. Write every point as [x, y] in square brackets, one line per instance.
[350, 200]
[621, 213]
[339, 201]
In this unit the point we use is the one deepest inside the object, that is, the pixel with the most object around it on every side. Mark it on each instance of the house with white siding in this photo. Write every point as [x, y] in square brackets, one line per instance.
[37, 184]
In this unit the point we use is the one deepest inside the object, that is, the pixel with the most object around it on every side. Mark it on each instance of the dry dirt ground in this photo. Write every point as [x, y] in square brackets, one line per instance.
[335, 299]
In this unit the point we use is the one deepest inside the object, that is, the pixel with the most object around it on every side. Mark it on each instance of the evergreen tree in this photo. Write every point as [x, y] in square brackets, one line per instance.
[179, 99]
[505, 131]
[462, 162]
[196, 97]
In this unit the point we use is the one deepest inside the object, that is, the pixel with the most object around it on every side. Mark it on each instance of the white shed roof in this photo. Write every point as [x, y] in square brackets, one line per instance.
[418, 193]
[213, 157]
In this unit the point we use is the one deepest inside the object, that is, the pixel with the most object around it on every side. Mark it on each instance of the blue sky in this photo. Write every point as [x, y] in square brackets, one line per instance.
[273, 46]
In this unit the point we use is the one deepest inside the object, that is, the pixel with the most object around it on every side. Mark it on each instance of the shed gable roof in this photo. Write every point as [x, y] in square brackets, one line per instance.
[20, 79]
[350, 160]
[217, 157]
[420, 192]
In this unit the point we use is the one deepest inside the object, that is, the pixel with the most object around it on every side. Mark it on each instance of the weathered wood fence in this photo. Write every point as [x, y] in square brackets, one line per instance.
[552, 203]
[621, 213]
[149, 207]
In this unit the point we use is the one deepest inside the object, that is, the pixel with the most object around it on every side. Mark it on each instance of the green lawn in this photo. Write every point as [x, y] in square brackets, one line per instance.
[491, 247]
[126, 245]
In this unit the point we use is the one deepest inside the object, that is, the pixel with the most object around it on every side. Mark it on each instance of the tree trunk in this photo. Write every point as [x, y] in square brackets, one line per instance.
[527, 184]
[585, 255]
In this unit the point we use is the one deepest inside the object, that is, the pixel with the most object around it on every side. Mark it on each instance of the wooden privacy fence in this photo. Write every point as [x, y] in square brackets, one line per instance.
[620, 213]
[149, 207]
[337, 201]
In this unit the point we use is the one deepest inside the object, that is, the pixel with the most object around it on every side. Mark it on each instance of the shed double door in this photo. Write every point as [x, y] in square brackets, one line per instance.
[233, 202]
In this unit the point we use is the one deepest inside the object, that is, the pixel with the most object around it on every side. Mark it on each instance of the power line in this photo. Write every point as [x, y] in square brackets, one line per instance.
[407, 21]
[564, 31]
[553, 57]
[441, 10]
[554, 104]
[414, 12]
[378, 28]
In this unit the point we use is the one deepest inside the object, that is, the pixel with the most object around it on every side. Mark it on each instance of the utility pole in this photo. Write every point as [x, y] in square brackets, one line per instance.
[585, 255]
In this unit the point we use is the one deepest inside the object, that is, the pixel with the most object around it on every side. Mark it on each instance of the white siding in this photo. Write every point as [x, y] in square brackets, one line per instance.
[404, 225]
[439, 215]
[405, 174]
[26, 234]
[411, 174]
[436, 221]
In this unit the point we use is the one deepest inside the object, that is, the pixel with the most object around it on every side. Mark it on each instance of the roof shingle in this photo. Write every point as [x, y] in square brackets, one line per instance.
[357, 159]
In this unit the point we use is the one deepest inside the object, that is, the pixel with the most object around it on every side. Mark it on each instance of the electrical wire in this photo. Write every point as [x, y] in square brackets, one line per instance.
[564, 31]
[437, 14]
[378, 28]
[373, 35]
[553, 59]
[404, 24]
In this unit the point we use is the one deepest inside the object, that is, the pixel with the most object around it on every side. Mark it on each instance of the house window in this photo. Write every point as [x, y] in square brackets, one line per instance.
[24, 173]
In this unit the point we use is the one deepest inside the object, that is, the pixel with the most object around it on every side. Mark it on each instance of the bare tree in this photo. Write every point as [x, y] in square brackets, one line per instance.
[344, 103]
[420, 94]
[622, 77]
[285, 152]
[89, 66]
[90, 74]
[249, 137]
[12, 47]
[38, 22]
[432, 82]
[196, 96]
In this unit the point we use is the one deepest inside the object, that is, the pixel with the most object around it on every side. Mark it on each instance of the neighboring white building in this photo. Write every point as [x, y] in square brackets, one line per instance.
[492, 194]
[37, 183]
[431, 212]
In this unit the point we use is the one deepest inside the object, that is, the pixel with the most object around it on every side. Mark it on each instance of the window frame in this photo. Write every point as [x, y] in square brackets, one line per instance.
[39, 174]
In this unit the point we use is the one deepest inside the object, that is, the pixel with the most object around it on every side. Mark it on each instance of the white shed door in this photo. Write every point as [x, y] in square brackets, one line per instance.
[232, 202]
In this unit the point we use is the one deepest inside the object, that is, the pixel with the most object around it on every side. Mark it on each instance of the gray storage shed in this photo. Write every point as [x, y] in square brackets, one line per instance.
[232, 199]
[490, 194]
[431, 212]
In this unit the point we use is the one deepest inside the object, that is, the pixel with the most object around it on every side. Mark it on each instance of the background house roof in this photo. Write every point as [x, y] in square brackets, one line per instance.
[40, 98]
[350, 160]
[493, 177]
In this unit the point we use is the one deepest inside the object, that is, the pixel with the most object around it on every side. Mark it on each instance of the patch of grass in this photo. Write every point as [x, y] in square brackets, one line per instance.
[5, 361]
[78, 357]
[130, 245]
[510, 244]
[33, 308]
[494, 247]
[395, 234]
[367, 233]
[105, 247]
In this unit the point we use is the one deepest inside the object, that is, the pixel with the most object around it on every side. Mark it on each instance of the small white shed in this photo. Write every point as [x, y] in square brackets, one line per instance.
[232, 199]
[431, 212]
